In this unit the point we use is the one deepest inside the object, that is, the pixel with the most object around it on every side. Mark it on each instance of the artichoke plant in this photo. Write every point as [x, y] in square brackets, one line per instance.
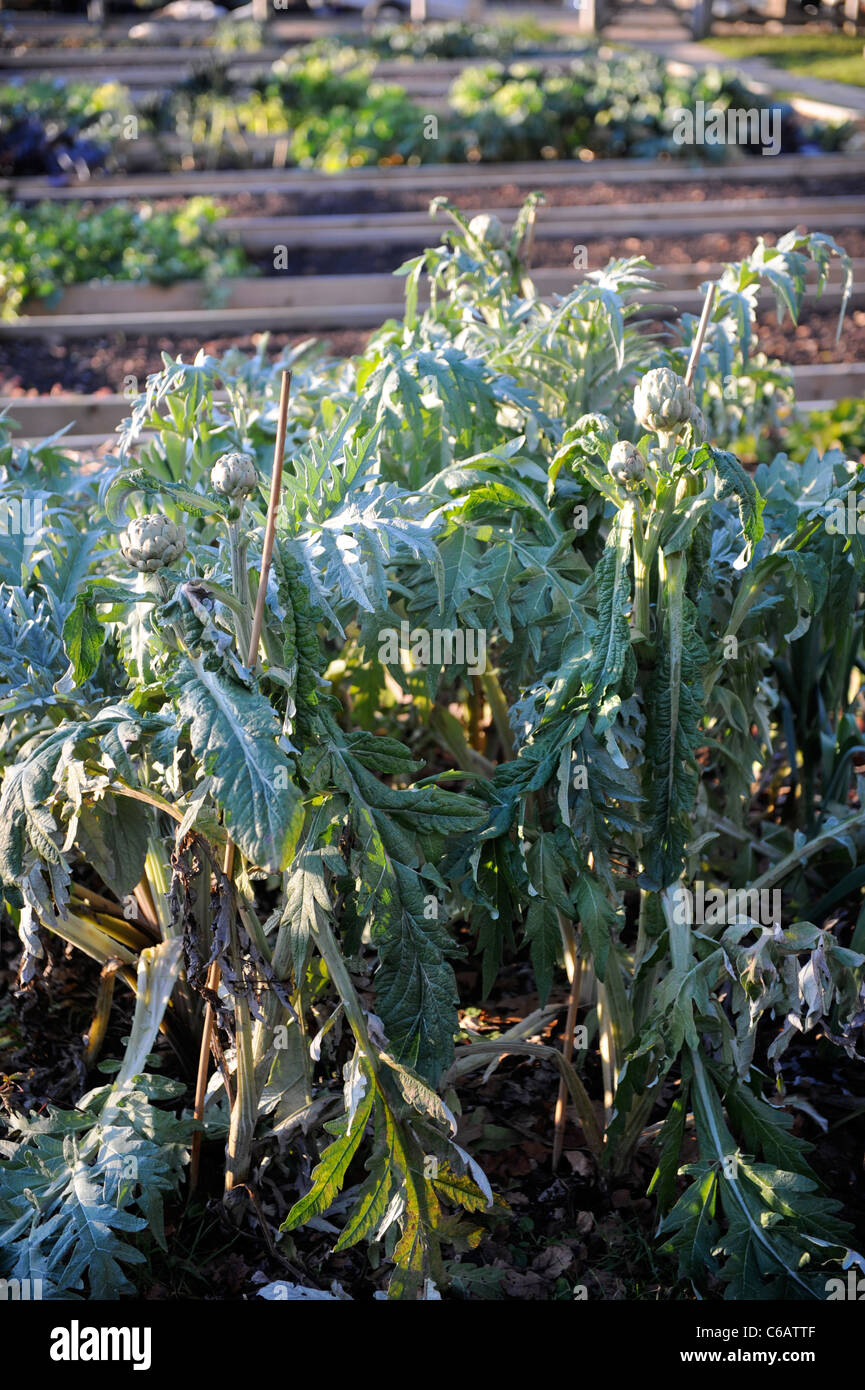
[151, 542]
[488, 229]
[627, 464]
[234, 475]
[699, 425]
[663, 401]
[596, 424]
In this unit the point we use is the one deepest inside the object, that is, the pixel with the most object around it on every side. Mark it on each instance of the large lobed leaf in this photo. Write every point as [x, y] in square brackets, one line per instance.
[234, 733]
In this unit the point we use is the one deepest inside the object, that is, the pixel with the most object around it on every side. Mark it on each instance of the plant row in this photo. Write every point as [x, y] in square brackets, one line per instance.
[286, 837]
[46, 246]
[333, 115]
[443, 39]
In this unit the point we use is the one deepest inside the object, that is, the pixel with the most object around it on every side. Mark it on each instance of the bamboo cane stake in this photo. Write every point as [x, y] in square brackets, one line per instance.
[697, 346]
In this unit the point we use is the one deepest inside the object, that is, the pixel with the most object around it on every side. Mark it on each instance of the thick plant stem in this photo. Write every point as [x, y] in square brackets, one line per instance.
[499, 708]
[241, 1132]
[673, 900]
[642, 575]
[212, 985]
[574, 962]
[679, 935]
[798, 858]
[245, 1109]
[240, 585]
[102, 1012]
[669, 620]
[201, 1080]
[244, 1112]
[159, 883]
[276, 1014]
[476, 714]
[615, 1028]
[450, 733]
[146, 906]
[338, 971]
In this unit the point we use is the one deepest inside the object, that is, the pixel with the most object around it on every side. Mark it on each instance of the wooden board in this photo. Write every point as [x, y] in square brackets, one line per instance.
[97, 416]
[318, 297]
[264, 234]
[434, 178]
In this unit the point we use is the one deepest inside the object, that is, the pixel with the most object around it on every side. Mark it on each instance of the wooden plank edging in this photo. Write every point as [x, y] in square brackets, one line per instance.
[40, 416]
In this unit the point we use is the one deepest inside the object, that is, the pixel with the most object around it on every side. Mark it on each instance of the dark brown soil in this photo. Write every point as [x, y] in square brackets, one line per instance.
[98, 366]
[559, 1229]
[814, 339]
[696, 251]
[687, 250]
[511, 195]
[371, 259]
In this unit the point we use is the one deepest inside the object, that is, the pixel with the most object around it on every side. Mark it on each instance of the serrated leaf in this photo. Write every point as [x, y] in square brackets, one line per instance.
[234, 734]
[83, 638]
[329, 1174]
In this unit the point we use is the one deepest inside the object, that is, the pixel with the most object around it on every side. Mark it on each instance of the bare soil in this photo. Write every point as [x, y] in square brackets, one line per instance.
[508, 194]
[98, 366]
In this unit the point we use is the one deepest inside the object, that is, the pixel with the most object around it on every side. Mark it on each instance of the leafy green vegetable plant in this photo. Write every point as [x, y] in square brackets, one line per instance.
[72, 1180]
[48, 245]
[325, 103]
[545, 474]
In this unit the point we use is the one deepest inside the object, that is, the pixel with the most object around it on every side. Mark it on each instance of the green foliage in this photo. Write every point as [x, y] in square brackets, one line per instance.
[841, 426]
[762, 1228]
[49, 245]
[72, 1181]
[74, 1202]
[457, 39]
[610, 106]
[324, 99]
[93, 106]
[233, 734]
[657, 639]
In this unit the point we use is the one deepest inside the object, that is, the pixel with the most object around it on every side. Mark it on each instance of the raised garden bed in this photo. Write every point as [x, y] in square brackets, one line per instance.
[96, 370]
[571, 177]
[325, 302]
[327, 112]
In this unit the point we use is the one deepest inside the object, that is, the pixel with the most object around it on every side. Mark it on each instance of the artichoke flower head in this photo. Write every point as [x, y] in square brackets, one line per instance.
[234, 475]
[151, 542]
[663, 401]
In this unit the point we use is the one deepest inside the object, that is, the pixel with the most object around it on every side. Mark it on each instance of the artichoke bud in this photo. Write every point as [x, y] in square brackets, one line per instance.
[234, 475]
[663, 401]
[627, 464]
[592, 434]
[151, 542]
[488, 230]
[597, 424]
[699, 425]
